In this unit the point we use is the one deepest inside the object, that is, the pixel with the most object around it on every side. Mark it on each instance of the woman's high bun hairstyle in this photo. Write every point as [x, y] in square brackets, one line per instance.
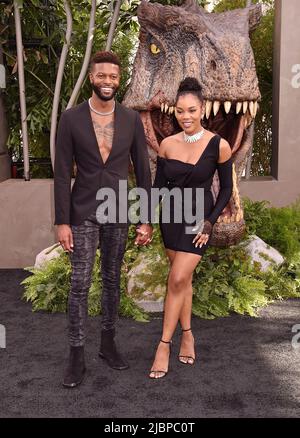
[189, 85]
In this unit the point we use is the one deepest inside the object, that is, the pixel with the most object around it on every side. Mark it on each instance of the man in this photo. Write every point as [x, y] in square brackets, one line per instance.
[100, 135]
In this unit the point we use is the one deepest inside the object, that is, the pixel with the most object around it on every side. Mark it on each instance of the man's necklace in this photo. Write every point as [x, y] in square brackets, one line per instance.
[99, 112]
[193, 138]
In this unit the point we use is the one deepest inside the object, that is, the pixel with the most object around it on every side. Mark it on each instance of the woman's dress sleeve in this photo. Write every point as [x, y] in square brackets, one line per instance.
[160, 178]
[226, 184]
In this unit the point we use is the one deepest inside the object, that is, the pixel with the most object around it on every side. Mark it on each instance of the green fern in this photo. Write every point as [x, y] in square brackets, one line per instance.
[225, 281]
[48, 289]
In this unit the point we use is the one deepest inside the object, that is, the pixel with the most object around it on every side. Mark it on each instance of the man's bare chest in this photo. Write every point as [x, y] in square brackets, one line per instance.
[104, 132]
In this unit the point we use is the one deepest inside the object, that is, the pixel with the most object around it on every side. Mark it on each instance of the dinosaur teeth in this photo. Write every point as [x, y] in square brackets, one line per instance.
[238, 107]
[227, 106]
[208, 108]
[251, 108]
[166, 109]
[216, 107]
[255, 108]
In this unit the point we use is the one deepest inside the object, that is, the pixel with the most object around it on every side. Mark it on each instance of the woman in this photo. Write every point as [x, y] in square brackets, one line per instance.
[188, 159]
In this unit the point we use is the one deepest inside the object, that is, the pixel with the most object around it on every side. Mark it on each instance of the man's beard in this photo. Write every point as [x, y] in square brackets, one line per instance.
[103, 97]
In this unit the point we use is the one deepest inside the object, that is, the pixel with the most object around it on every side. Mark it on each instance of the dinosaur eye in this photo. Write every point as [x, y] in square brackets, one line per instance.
[154, 49]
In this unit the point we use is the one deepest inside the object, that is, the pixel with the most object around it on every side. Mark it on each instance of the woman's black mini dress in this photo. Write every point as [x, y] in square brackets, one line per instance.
[173, 173]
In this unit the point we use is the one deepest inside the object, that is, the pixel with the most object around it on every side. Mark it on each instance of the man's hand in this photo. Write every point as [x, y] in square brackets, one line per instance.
[144, 234]
[65, 237]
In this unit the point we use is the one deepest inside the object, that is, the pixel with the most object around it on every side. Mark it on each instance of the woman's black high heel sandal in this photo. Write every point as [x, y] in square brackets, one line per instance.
[186, 360]
[159, 374]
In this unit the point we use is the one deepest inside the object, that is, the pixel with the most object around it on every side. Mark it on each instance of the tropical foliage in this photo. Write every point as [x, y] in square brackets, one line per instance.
[225, 281]
[43, 26]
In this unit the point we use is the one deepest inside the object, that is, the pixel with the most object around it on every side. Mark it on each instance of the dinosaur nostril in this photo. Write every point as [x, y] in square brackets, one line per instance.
[213, 65]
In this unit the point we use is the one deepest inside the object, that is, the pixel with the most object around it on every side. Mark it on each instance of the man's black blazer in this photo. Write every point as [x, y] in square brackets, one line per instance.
[76, 140]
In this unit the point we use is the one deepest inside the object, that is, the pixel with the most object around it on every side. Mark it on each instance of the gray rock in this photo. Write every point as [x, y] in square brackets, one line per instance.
[47, 254]
[151, 306]
[147, 281]
[263, 253]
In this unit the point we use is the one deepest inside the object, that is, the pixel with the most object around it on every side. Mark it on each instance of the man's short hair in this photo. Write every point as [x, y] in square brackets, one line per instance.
[102, 57]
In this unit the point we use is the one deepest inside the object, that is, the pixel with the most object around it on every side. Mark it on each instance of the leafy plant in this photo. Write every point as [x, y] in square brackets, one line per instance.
[225, 281]
[279, 227]
[43, 28]
[48, 289]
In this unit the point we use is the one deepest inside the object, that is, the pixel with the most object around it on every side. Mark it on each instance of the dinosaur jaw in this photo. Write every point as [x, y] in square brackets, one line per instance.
[234, 124]
[230, 122]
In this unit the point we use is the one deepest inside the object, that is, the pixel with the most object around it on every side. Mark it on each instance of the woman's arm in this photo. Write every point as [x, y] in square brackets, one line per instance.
[160, 179]
[224, 168]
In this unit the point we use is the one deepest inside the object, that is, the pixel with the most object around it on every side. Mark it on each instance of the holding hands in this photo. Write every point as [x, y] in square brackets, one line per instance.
[144, 234]
[65, 237]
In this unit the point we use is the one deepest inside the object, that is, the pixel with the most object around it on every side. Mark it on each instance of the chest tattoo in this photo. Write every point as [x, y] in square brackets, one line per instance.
[104, 135]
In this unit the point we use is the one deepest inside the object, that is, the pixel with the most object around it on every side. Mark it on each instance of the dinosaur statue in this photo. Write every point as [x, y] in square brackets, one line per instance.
[180, 41]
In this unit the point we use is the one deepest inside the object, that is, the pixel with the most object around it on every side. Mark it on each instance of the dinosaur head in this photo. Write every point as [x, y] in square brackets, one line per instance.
[176, 42]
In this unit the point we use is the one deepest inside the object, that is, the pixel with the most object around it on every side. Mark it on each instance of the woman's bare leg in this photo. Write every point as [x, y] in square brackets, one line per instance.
[171, 255]
[187, 340]
[187, 349]
[179, 286]
[186, 311]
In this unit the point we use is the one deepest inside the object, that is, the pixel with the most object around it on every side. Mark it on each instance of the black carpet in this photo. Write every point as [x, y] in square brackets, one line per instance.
[246, 367]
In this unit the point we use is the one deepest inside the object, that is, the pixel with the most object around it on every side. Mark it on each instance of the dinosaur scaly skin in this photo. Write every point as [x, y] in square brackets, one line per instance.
[176, 42]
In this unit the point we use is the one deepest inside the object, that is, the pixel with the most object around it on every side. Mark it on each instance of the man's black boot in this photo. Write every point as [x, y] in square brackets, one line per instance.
[76, 368]
[108, 351]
